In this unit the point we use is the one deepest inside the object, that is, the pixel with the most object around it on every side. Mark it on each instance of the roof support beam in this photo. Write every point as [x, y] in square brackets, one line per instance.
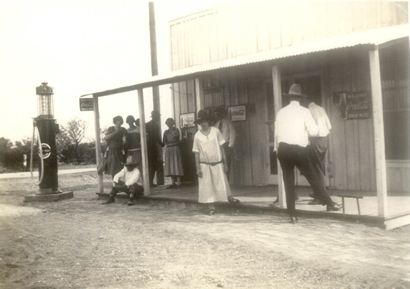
[277, 103]
[378, 126]
[98, 152]
[144, 149]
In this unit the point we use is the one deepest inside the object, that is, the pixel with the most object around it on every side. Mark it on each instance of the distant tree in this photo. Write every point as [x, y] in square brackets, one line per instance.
[63, 145]
[75, 131]
[12, 155]
[5, 146]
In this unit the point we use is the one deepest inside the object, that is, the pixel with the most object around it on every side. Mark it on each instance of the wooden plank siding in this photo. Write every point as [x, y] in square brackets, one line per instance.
[351, 155]
[351, 141]
[245, 28]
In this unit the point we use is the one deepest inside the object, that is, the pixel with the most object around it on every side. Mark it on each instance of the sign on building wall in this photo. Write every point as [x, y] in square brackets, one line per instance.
[354, 105]
[86, 104]
[237, 112]
[187, 119]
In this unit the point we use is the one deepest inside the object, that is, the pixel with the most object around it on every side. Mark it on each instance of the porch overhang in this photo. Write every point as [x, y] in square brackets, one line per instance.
[371, 38]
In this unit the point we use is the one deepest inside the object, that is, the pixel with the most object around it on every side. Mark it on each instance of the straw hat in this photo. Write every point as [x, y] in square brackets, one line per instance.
[295, 90]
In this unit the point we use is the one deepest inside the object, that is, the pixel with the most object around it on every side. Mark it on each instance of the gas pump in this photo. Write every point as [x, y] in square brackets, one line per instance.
[45, 130]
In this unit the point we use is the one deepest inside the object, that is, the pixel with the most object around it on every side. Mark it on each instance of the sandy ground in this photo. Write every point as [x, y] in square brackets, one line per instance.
[80, 243]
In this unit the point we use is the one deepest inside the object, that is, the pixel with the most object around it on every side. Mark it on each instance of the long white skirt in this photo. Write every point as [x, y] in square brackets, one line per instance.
[213, 186]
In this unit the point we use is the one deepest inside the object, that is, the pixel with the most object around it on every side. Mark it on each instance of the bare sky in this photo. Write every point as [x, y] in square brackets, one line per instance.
[79, 46]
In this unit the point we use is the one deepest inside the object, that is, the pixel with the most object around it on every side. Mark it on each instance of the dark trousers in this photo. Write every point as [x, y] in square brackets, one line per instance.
[155, 164]
[291, 156]
[132, 191]
[317, 154]
[156, 168]
[229, 156]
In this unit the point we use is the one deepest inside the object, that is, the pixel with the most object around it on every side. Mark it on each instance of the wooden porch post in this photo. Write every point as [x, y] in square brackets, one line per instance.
[378, 126]
[277, 100]
[144, 151]
[98, 153]
[198, 95]
[153, 50]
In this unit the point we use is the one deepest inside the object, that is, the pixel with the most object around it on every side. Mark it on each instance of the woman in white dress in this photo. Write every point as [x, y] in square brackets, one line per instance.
[210, 163]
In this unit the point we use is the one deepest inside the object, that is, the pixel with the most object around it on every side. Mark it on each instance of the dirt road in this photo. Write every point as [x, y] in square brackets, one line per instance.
[79, 243]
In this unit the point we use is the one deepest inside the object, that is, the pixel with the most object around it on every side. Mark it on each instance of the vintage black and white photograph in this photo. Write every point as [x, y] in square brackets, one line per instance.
[165, 144]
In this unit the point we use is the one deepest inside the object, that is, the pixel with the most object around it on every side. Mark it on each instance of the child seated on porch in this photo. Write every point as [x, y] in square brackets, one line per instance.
[129, 181]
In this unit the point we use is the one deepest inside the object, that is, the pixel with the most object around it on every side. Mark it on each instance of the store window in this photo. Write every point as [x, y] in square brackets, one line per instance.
[396, 102]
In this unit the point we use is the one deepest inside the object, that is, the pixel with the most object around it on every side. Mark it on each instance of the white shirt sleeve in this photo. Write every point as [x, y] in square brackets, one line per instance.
[133, 177]
[119, 175]
[219, 137]
[310, 124]
[327, 120]
[195, 146]
[232, 134]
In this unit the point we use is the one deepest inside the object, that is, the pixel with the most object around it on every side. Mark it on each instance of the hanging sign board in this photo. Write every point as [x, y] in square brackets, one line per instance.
[237, 112]
[86, 104]
[354, 105]
[187, 120]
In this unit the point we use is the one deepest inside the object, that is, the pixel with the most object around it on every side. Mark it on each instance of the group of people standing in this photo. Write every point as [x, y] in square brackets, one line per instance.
[301, 130]
[123, 159]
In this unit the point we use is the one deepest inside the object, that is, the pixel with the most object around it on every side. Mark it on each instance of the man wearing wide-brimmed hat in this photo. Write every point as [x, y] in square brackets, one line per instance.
[228, 132]
[293, 126]
[129, 181]
[154, 144]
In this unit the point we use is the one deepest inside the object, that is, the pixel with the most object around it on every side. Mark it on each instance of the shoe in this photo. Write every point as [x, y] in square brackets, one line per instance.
[333, 207]
[130, 203]
[315, 202]
[109, 201]
[293, 219]
[233, 200]
[211, 212]
[173, 186]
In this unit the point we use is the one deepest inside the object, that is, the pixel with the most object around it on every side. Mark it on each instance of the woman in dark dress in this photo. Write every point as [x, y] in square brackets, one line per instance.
[133, 141]
[173, 156]
[115, 138]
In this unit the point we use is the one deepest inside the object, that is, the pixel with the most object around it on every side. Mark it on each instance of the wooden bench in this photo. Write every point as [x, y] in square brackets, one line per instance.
[343, 196]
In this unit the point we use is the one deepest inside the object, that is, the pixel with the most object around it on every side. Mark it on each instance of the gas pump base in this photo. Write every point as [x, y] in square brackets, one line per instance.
[53, 197]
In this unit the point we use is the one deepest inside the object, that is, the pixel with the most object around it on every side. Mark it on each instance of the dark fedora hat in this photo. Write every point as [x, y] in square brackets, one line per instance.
[295, 90]
[202, 116]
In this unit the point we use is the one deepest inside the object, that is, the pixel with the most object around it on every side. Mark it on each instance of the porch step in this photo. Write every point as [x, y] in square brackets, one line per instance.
[263, 209]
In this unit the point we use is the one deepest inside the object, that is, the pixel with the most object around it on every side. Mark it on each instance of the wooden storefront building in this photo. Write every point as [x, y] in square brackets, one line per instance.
[352, 56]
[325, 47]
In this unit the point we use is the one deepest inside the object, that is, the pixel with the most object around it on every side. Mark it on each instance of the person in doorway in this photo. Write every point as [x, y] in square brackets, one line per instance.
[318, 144]
[211, 164]
[133, 141]
[228, 132]
[129, 181]
[293, 126]
[173, 156]
[154, 144]
[115, 138]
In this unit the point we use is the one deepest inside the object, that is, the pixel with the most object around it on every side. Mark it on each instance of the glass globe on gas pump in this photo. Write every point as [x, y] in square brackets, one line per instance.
[45, 105]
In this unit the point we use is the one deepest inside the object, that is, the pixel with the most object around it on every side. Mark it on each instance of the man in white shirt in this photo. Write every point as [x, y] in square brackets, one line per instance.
[129, 181]
[319, 143]
[293, 126]
[228, 132]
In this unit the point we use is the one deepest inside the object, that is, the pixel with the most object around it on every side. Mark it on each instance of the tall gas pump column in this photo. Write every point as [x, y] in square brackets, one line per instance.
[46, 127]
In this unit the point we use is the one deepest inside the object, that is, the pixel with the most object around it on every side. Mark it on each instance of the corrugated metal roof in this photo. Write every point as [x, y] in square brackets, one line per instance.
[370, 37]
